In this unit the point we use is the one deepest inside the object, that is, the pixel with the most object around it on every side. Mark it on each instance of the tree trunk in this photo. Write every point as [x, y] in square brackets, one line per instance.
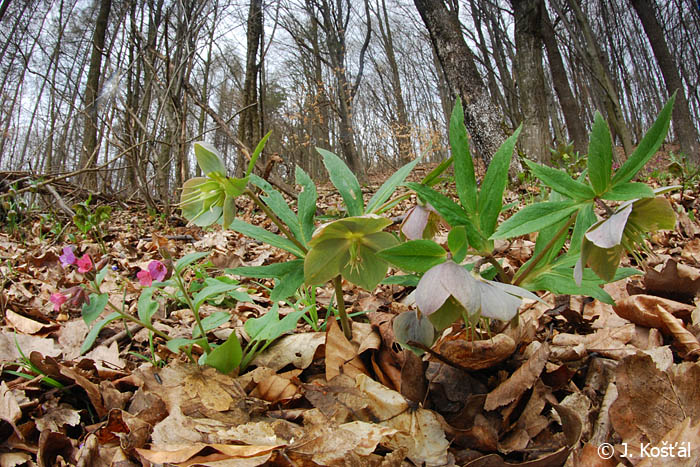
[535, 137]
[400, 128]
[682, 122]
[457, 60]
[602, 76]
[560, 82]
[249, 123]
[90, 147]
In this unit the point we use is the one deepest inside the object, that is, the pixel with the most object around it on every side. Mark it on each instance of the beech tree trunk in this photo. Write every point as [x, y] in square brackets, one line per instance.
[560, 82]
[682, 122]
[535, 137]
[249, 123]
[457, 61]
[90, 147]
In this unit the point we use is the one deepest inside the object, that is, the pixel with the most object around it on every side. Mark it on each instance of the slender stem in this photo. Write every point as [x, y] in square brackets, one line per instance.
[280, 225]
[134, 319]
[501, 272]
[344, 321]
[606, 208]
[195, 312]
[128, 317]
[523, 273]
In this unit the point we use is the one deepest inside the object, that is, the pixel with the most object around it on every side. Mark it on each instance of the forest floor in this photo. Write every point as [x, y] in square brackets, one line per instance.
[588, 383]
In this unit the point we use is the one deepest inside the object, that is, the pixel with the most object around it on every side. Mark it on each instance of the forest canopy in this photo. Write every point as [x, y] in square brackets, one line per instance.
[127, 86]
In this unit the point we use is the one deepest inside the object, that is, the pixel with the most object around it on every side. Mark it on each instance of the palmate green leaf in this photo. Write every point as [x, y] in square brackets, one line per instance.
[415, 255]
[265, 236]
[453, 215]
[534, 218]
[650, 143]
[146, 305]
[290, 275]
[95, 331]
[306, 203]
[465, 179]
[407, 280]
[388, 187]
[174, 345]
[345, 182]
[560, 280]
[275, 270]
[92, 310]
[269, 327]
[226, 357]
[494, 183]
[434, 175]
[409, 327]
[561, 182]
[600, 153]
[628, 191]
[208, 158]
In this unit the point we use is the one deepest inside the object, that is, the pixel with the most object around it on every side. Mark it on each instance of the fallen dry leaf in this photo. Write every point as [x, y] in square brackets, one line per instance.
[672, 279]
[24, 324]
[419, 430]
[187, 453]
[652, 402]
[641, 310]
[684, 438]
[295, 349]
[341, 354]
[476, 355]
[520, 381]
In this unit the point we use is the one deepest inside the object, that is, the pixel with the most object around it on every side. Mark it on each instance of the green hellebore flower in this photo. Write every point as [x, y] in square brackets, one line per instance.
[606, 241]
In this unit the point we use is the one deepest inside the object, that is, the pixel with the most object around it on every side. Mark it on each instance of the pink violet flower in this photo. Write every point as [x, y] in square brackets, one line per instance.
[68, 257]
[84, 264]
[156, 271]
[57, 299]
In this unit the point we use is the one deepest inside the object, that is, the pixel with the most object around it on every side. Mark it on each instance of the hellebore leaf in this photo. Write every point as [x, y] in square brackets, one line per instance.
[415, 255]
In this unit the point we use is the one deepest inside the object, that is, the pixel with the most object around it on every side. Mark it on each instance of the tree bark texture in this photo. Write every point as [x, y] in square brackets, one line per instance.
[457, 61]
[90, 147]
[682, 122]
[560, 82]
[535, 137]
[249, 124]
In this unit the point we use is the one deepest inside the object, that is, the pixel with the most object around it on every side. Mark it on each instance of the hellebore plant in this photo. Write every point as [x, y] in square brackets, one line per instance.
[358, 248]
[447, 292]
[344, 248]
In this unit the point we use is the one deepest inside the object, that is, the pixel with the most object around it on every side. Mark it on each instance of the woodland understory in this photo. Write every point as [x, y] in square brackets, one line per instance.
[583, 373]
